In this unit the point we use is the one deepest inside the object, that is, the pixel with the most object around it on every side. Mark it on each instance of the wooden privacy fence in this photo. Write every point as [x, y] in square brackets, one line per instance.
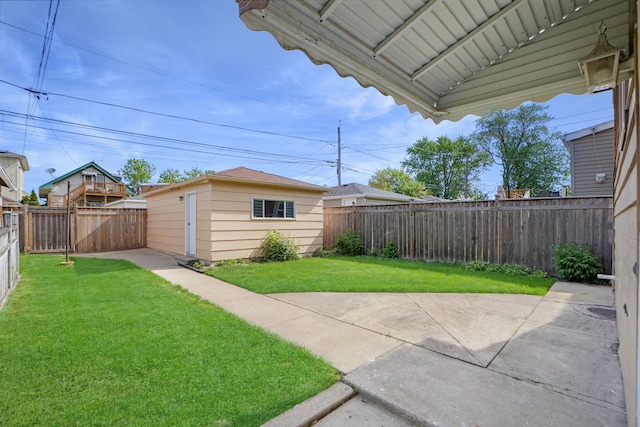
[515, 231]
[43, 229]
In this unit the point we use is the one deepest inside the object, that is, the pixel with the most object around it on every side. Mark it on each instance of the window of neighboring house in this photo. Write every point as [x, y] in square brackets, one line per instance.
[285, 209]
[349, 202]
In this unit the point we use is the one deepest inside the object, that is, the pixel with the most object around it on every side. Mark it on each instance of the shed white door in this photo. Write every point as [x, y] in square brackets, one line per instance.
[190, 224]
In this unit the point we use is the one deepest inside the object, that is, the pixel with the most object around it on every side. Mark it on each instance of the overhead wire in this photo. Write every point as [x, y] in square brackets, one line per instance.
[34, 93]
[173, 116]
[182, 142]
[160, 73]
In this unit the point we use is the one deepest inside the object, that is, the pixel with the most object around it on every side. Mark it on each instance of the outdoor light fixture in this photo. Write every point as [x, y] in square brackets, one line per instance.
[600, 68]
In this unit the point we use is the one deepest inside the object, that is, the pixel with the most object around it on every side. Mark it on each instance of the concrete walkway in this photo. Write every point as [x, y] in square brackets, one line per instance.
[438, 359]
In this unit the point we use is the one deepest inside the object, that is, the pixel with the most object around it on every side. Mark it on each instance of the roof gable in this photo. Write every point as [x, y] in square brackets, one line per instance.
[241, 175]
[254, 175]
[355, 189]
[22, 159]
[49, 185]
[588, 131]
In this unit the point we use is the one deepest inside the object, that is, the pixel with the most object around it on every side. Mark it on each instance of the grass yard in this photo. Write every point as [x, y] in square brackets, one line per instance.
[104, 342]
[372, 274]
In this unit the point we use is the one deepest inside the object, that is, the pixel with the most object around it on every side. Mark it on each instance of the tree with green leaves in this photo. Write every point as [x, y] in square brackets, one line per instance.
[396, 180]
[170, 175]
[195, 172]
[137, 171]
[174, 175]
[520, 142]
[449, 168]
[31, 200]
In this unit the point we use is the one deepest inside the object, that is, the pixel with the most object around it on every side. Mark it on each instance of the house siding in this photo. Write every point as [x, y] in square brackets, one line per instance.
[225, 228]
[362, 201]
[625, 227]
[166, 220]
[591, 155]
[14, 170]
[237, 235]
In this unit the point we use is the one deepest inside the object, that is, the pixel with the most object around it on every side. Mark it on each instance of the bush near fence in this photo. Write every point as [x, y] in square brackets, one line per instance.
[515, 231]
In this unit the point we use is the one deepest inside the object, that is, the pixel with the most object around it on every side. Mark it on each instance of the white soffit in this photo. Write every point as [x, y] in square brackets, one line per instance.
[448, 58]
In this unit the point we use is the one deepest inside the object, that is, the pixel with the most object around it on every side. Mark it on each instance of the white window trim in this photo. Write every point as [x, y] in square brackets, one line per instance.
[259, 218]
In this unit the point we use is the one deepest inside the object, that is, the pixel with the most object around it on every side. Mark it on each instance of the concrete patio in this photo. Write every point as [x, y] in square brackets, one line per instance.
[438, 359]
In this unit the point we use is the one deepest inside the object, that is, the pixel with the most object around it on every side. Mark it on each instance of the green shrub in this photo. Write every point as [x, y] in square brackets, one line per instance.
[516, 269]
[277, 247]
[321, 253]
[391, 250]
[349, 244]
[235, 261]
[477, 265]
[576, 263]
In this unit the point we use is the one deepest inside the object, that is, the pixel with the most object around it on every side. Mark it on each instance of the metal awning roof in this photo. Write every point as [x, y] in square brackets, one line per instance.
[449, 58]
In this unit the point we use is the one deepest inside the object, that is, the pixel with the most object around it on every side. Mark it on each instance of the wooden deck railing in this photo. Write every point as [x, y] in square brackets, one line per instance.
[105, 189]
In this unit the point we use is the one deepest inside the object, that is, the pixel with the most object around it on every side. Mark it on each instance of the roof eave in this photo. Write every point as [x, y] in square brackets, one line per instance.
[213, 178]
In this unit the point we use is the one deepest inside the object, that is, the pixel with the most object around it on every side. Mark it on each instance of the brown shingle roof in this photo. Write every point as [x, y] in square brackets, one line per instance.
[246, 173]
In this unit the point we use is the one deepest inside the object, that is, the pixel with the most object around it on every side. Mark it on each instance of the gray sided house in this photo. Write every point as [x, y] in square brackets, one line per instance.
[12, 169]
[591, 156]
[360, 195]
[90, 185]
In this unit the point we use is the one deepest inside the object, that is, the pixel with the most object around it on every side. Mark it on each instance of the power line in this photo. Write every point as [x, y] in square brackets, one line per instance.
[46, 46]
[172, 116]
[160, 73]
[246, 152]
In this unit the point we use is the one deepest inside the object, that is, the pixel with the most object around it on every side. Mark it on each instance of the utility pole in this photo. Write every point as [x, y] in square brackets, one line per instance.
[339, 157]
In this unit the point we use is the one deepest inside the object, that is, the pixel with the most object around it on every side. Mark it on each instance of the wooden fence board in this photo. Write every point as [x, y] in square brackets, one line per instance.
[43, 229]
[518, 231]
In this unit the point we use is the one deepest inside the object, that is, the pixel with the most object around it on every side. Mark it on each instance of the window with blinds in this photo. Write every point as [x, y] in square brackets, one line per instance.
[285, 209]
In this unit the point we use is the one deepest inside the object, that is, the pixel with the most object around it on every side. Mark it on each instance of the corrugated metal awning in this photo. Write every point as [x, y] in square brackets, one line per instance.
[447, 59]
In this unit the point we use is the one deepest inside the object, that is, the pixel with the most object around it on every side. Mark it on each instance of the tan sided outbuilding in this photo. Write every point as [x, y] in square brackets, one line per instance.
[226, 215]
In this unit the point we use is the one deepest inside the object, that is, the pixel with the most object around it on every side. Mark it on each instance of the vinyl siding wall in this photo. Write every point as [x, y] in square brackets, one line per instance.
[361, 201]
[591, 155]
[13, 168]
[334, 203]
[166, 220]
[225, 227]
[237, 235]
[625, 225]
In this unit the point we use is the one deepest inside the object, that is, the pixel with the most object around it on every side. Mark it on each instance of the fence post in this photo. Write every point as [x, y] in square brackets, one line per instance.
[412, 231]
[497, 233]
[28, 239]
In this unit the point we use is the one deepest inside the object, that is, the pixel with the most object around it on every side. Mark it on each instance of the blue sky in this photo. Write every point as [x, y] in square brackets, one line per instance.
[223, 96]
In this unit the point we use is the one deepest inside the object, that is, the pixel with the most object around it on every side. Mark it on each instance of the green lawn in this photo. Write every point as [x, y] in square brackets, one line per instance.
[371, 274]
[103, 342]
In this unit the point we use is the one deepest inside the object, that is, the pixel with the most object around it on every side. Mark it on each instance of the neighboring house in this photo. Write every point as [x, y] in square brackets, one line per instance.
[91, 185]
[358, 195]
[591, 158]
[226, 215]
[12, 168]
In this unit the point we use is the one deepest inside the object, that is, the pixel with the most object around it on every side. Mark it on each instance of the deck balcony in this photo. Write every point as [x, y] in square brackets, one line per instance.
[90, 194]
